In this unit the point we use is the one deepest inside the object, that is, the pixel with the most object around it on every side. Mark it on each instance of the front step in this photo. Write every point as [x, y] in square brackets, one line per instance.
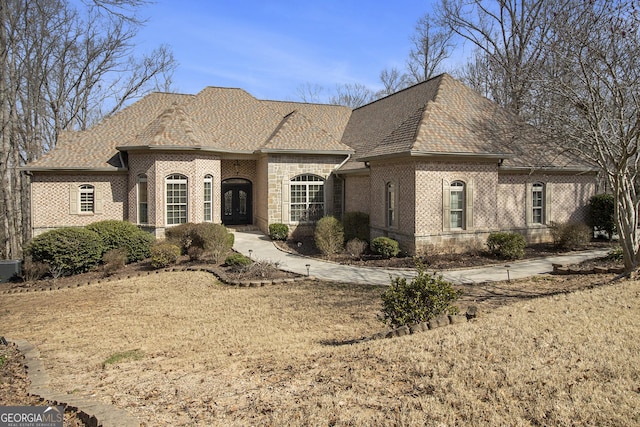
[241, 228]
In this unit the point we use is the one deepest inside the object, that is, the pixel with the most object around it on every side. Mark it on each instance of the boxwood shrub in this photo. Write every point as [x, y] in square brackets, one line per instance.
[67, 250]
[506, 245]
[329, 235]
[278, 231]
[124, 235]
[385, 246]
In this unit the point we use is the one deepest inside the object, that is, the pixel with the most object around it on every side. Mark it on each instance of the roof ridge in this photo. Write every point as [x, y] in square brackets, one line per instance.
[171, 121]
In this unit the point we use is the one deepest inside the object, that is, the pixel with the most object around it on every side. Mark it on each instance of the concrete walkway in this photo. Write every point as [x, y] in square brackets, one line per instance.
[260, 247]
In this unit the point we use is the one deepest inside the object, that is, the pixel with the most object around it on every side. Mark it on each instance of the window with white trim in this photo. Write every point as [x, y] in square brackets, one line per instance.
[391, 204]
[457, 205]
[87, 198]
[537, 203]
[307, 198]
[208, 186]
[176, 199]
[143, 207]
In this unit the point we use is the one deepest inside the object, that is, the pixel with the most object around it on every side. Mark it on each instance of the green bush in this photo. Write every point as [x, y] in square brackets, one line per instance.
[67, 250]
[601, 214]
[329, 235]
[356, 226]
[615, 254]
[506, 245]
[385, 246]
[114, 260]
[570, 235]
[426, 296]
[164, 254]
[278, 231]
[123, 234]
[237, 260]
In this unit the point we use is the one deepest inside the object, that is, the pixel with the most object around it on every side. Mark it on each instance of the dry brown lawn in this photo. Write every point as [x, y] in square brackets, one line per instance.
[180, 349]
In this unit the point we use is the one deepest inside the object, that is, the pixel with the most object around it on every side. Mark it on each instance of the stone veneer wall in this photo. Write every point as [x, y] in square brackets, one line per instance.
[157, 166]
[50, 198]
[357, 193]
[281, 169]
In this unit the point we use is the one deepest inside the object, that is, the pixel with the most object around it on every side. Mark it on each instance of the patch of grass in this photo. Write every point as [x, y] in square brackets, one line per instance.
[3, 360]
[123, 356]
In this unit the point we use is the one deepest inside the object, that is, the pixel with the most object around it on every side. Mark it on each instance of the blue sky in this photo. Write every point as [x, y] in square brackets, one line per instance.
[273, 48]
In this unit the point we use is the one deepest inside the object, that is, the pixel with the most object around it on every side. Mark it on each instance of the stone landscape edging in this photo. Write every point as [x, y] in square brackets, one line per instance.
[91, 413]
[218, 274]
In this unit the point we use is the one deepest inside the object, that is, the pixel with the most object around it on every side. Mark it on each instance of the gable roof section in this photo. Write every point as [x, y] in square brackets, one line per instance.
[296, 131]
[95, 149]
[216, 119]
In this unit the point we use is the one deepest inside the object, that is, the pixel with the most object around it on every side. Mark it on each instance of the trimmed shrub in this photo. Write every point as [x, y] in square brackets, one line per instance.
[197, 240]
[426, 296]
[329, 235]
[356, 226]
[570, 235]
[238, 260]
[278, 231]
[67, 250]
[601, 214]
[385, 246]
[123, 234]
[356, 247]
[506, 245]
[164, 254]
[114, 260]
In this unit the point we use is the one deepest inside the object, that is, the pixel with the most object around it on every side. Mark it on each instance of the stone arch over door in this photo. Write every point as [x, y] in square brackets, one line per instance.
[237, 201]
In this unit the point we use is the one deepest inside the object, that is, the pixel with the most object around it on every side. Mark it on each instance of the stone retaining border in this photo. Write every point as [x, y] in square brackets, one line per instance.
[219, 275]
[436, 322]
[91, 413]
[566, 269]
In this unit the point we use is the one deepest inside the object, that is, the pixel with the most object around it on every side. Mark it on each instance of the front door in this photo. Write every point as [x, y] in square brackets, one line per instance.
[236, 202]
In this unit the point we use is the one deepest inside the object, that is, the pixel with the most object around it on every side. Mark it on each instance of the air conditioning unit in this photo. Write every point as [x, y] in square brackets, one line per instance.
[9, 268]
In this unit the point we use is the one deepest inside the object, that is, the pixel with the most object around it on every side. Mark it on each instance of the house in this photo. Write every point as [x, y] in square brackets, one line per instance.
[432, 165]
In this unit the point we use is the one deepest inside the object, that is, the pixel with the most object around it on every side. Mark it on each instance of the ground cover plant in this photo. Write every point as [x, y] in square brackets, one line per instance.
[285, 354]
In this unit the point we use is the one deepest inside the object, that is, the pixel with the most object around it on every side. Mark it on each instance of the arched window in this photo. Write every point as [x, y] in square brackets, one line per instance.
[142, 193]
[391, 205]
[307, 198]
[176, 199]
[87, 199]
[457, 206]
[208, 185]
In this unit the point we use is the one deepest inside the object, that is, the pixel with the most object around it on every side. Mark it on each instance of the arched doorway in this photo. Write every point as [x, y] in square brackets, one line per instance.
[236, 201]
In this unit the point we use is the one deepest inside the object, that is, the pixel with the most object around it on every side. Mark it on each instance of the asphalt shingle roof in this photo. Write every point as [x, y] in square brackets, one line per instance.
[440, 116]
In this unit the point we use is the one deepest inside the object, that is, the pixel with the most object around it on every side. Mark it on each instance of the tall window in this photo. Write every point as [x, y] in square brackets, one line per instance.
[457, 204]
[143, 213]
[208, 183]
[537, 203]
[307, 198]
[391, 204]
[176, 203]
[87, 198]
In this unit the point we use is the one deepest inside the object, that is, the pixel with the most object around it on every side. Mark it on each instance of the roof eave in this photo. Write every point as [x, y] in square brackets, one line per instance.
[72, 169]
[573, 170]
[302, 151]
[414, 153]
[181, 148]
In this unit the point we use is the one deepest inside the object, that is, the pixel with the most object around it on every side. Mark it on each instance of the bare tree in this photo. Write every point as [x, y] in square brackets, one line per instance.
[352, 95]
[392, 81]
[62, 68]
[432, 44]
[595, 109]
[312, 93]
[511, 37]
